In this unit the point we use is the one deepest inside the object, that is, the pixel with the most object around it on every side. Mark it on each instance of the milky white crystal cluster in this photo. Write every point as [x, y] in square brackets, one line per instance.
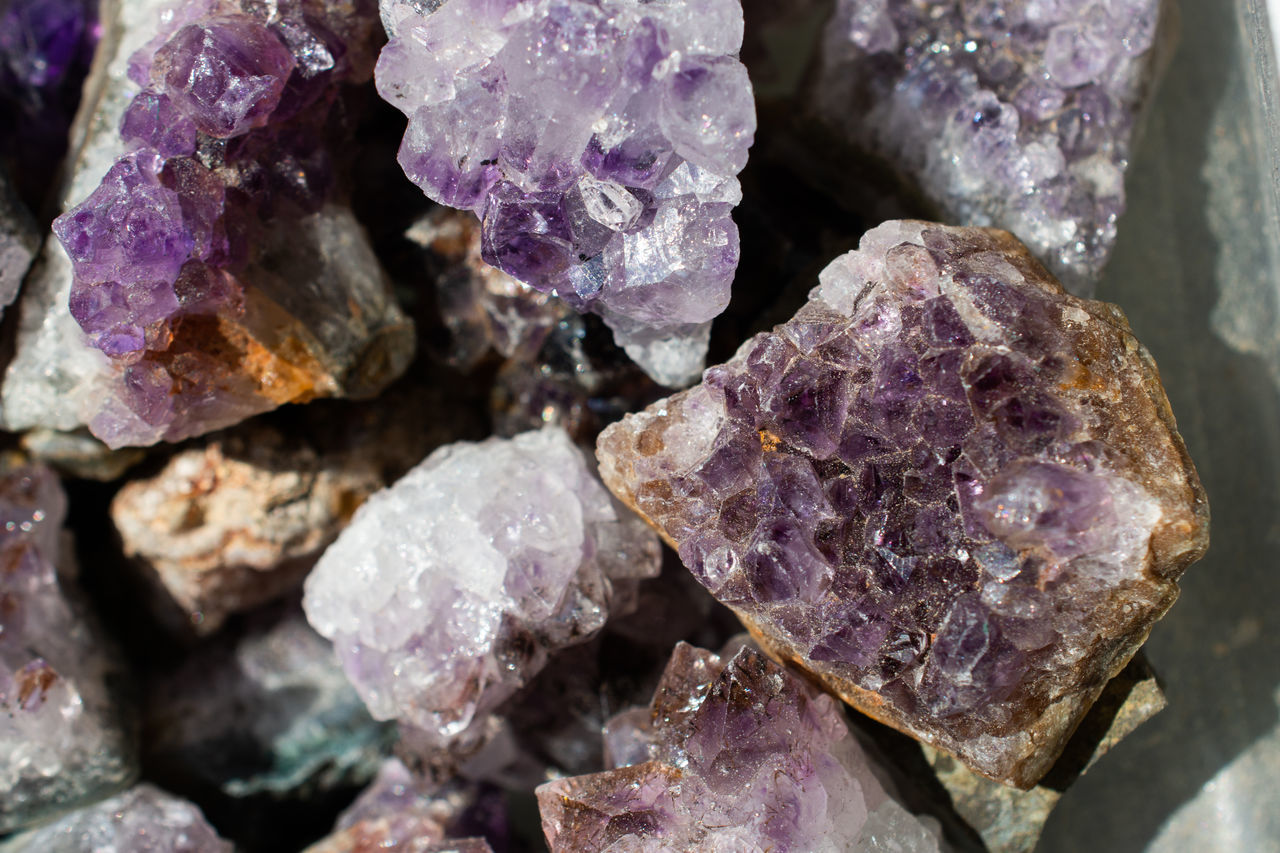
[449, 589]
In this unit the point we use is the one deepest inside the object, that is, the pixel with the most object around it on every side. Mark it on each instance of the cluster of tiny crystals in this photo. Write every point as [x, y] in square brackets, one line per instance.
[1014, 114]
[731, 755]
[54, 743]
[141, 820]
[449, 590]
[598, 140]
[226, 133]
[928, 484]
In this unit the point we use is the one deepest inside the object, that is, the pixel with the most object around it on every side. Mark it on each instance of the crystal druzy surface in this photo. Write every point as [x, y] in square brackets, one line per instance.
[63, 739]
[1014, 114]
[947, 488]
[212, 264]
[598, 141]
[732, 754]
[448, 591]
[141, 820]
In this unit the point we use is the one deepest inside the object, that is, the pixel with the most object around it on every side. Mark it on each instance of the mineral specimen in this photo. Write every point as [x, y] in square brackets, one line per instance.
[19, 243]
[599, 143]
[946, 488]
[141, 820]
[1017, 114]
[400, 815]
[732, 754]
[267, 711]
[211, 265]
[241, 519]
[449, 590]
[63, 737]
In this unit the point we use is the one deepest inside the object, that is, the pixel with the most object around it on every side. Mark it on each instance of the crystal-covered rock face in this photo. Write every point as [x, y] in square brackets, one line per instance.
[732, 754]
[214, 270]
[448, 590]
[950, 490]
[141, 820]
[399, 814]
[18, 243]
[1018, 114]
[63, 738]
[266, 711]
[599, 143]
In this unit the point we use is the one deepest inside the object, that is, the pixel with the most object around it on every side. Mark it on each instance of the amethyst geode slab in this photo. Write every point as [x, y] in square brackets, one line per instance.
[1017, 114]
[734, 753]
[948, 489]
[598, 140]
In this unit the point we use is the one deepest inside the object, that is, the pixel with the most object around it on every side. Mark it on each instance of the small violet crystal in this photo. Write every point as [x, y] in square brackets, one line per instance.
[1016, 114]
[733, 754]
[599, 142]
[946, 488]
[449, 590]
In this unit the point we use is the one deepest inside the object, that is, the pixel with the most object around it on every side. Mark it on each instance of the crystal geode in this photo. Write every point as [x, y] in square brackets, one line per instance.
[599, 142]
[211, 270]
[1019, 115]
[448, 591]
[399, 814]
[64, 740]
[141, 820]
[948, 489]
[733, 754]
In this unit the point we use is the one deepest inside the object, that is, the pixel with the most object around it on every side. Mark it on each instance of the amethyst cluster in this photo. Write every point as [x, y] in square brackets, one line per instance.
[599, 142]
[1016, 114]
[947, 488]
[226, 139]
[733, 754]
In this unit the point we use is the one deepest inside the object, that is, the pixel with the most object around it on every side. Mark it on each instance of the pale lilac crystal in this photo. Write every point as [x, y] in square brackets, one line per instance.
[227, 186]
[448, 590]
[1019, 115]
[63, 738]
[733, 754]
[945, 487]
[599, 143]
[141, 820]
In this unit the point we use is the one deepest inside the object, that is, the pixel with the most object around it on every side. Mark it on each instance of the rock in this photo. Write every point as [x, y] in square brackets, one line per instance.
[141, 820]
[1020, 115]
[734, 753]
[19, 243]
[599, 145]
[949, 490]
[64, 737]
[449, 590]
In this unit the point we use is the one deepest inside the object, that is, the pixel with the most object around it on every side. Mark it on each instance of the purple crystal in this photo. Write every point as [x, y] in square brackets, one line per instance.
[945, 487]
[599, 145]
[733, 753]
[1019, 115]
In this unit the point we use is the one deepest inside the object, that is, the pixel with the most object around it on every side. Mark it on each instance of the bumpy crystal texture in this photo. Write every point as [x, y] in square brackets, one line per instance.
[399, 814]
[1018, 115]
[141, 820]
[448, 591]
[732, 754]
[265, 711]
[212, 265]
[947, 488]
[19, 242]
[63, 739]
[599, 143]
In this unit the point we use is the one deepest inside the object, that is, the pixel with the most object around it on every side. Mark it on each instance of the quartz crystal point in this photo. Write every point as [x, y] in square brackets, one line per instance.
[598, 142]
[732, 754]
[398, 814]
[211, 272]
[267, 711]
[448, 591]
[141, 820]
[1018, 114]
[63, 739]
[946, 488]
